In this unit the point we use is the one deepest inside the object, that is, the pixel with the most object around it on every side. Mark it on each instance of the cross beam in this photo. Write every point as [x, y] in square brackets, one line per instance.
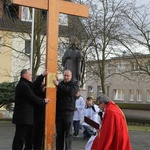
[73, 9]
[54, 7]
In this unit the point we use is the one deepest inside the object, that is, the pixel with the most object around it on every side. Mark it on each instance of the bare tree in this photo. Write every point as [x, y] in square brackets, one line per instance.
[135, 37]
[115, 29]
[104, 23]
[22, 30]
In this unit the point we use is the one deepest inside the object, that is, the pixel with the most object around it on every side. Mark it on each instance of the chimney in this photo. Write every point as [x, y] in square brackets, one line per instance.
[1, 8]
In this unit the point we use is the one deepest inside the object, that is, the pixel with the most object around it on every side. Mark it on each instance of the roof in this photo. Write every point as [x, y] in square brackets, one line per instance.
[24, 26]
[14, 25]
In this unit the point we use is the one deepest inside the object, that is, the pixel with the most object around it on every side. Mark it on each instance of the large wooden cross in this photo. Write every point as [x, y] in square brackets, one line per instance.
[54, 7]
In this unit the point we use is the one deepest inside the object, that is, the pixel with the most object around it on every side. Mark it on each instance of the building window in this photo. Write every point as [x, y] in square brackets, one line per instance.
[135, 66]
[120, 67]
[63, 19]
[109, 69]
[0, 44]
[90, 91]
[28, 46]
[99, 90]
[118, 94]
[148, 95]
[107, 90]
[131, 95]
[148, 65]
[26, 16]
[139, 95]
[62, 47]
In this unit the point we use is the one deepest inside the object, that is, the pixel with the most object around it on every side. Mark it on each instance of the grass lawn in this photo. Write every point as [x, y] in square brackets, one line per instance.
[139, 128]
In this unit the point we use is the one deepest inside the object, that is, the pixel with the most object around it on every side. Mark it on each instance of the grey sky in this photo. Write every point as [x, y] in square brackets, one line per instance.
[141, 1]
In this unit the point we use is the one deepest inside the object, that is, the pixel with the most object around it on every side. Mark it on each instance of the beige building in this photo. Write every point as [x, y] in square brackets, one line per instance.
[125, 82]
[15, 45]
[5, 56]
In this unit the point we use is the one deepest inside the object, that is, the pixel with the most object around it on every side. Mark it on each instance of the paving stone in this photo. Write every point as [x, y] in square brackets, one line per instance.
[139, 139]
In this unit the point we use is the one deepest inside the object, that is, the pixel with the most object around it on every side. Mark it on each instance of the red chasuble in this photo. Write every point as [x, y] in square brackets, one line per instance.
[114, 133]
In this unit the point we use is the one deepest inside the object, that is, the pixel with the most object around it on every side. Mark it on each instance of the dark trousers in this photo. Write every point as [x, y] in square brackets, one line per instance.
[76, 126]
[35, 138]
[20, 135]
[29, 139]
[39, 134]
[88, 132]
[64, 123]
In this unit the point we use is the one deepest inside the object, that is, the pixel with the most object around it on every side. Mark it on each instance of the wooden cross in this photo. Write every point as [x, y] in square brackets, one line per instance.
[54, 7]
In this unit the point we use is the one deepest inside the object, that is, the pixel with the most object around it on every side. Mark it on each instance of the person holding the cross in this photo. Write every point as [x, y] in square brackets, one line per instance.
[35, 138]
[23, 116]
[65, 107]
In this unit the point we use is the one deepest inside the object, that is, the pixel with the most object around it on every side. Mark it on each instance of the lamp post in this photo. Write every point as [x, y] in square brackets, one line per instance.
[32, 40]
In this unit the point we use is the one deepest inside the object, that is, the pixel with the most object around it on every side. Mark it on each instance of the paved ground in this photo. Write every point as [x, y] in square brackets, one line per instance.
[140, 140]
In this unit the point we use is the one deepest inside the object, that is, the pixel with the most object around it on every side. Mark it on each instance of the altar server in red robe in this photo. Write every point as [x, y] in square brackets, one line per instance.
[113, 134]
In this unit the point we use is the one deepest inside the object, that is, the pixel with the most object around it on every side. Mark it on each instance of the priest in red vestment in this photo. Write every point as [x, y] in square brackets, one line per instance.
[113, 134]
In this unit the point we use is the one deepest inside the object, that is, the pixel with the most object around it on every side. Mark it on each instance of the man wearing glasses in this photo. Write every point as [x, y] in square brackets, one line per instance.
[113, 134]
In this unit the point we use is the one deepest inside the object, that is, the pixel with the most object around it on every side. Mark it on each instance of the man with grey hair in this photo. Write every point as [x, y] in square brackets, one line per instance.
[113, 134]
[103, 98]
[25, 100]
[65, 107]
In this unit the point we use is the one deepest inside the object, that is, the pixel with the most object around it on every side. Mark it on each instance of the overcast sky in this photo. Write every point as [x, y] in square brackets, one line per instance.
[141, 1]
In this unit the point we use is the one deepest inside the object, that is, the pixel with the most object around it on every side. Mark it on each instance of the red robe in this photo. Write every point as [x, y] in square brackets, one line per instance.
[114, 133]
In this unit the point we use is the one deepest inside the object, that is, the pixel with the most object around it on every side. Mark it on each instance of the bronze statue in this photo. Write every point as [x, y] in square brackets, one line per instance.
[73, 59]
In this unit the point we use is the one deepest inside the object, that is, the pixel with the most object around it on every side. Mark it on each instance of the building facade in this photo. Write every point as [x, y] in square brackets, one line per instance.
[126, 80]
[15, 40]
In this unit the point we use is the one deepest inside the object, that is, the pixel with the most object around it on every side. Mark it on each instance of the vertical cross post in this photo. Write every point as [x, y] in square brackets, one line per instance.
[54, 7]
[51, 64]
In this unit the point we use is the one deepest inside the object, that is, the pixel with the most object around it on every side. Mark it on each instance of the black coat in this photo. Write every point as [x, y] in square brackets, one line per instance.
[25, 100]
[37, 88]
[39, 110]
[66, 92]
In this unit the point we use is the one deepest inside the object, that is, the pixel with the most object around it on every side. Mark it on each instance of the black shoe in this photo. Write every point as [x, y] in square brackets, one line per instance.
[75, 135]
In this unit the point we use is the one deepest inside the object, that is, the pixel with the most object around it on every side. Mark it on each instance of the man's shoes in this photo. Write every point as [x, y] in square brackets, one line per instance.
[75, 135]
[87, 137]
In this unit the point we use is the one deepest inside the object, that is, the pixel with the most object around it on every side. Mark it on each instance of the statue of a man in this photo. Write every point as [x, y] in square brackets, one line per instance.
[73, 59]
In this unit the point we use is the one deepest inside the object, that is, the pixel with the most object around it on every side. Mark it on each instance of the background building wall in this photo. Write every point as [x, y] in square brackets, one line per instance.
[5, 56]
[121, 81]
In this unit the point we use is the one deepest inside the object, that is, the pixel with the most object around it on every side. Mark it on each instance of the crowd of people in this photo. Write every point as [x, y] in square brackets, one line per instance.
[71, 110]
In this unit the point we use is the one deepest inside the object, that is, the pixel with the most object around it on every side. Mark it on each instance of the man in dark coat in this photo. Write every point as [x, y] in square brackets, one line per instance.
[65, 107]
[39, 115]
[25, 100]
[35, 138]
